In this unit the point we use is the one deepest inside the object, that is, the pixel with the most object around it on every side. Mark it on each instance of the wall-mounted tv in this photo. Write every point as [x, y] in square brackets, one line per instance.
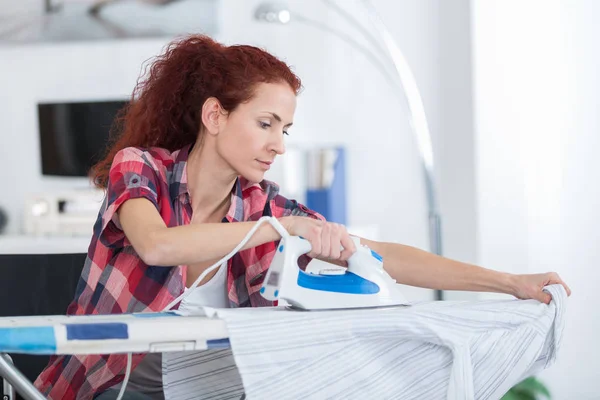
[74, 136]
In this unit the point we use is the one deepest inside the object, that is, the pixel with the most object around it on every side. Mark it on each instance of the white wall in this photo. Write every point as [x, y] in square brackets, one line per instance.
[345, 101]
[11, 7]
[536, 101]
[54, 72]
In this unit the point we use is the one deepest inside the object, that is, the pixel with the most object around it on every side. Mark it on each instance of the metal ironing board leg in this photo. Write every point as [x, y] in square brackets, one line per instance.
[8, 392]
[17, 380]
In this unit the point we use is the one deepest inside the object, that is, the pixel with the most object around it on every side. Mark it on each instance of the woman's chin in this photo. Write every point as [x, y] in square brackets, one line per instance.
[254, 177]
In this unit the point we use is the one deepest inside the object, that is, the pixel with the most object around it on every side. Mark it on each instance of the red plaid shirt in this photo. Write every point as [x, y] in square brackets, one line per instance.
[115, 280]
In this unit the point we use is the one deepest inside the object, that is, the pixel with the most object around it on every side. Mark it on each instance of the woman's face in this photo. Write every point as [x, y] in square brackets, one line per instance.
[252, 135]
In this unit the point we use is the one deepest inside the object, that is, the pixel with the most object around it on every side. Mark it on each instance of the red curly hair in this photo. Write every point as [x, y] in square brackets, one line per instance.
[165, 107]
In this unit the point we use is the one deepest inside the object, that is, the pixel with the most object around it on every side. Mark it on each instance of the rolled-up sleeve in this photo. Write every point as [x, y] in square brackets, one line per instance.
[132, 175]
[283, 207]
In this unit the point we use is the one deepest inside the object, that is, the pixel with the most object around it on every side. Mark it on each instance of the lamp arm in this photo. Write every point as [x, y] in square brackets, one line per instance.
[409, 88]
[365, 32]
[349, 40]
[417, 113]
[420, 127]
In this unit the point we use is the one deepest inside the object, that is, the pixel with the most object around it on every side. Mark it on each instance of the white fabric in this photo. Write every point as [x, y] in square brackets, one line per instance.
[212, 294]
[433, 350]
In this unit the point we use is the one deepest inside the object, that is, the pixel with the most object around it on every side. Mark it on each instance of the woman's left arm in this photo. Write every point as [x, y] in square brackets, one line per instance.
[411, 266]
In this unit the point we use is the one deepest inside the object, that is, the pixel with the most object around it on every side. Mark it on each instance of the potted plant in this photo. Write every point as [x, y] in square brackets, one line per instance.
[529, 389]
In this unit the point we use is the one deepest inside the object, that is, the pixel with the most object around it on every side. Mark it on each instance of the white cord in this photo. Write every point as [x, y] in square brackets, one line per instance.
[126, 379]
[278, 227]
[273, 221]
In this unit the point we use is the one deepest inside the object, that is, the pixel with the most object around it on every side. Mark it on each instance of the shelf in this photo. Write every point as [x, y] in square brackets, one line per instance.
[25, 244]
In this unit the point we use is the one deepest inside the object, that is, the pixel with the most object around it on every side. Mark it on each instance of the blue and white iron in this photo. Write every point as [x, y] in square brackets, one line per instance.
[363, 284]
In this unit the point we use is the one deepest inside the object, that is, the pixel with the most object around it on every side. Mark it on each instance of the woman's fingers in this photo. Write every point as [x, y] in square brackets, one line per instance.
[554, 278]
[348, 245]
[336, 241]
[314, 237]
[329, 240]
[326, 241]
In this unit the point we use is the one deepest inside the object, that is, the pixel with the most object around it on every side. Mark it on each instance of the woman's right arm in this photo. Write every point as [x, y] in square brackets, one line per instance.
[159, 245]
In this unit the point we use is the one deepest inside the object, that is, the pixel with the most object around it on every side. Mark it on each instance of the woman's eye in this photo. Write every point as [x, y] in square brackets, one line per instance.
[264, 125]
[285, 133]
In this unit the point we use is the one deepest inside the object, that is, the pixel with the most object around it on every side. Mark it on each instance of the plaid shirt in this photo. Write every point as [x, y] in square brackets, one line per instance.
[115, 280]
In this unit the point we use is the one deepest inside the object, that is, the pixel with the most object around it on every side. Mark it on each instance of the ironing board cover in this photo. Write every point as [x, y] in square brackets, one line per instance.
[110, 334]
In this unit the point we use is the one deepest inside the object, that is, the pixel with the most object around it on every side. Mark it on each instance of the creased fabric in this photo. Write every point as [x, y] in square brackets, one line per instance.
[431, 350]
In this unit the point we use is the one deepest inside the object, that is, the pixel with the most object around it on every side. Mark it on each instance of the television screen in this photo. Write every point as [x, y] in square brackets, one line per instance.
[74, 136]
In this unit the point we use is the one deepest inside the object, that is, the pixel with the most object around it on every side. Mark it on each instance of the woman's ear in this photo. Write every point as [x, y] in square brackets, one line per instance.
[211, 115]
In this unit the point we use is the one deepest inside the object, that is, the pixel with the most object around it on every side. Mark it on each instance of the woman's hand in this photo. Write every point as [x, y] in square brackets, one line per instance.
[329, 241]
[530, 286]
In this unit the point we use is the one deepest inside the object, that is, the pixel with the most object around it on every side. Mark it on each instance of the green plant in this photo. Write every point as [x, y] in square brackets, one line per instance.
[529, 389]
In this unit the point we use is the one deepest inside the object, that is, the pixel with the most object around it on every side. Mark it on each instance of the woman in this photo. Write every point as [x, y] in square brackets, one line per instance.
[202, 129]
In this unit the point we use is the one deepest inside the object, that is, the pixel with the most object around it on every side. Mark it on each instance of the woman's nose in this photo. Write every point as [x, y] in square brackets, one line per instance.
[277, 145]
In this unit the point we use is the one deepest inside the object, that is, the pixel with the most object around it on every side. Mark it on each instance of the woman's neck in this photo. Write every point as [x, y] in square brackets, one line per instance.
[210, 182]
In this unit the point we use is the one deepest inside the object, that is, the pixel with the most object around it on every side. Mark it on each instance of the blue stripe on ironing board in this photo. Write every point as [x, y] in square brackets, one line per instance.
[31, 340]
[100, 331]
[156, 314]
[218, 344]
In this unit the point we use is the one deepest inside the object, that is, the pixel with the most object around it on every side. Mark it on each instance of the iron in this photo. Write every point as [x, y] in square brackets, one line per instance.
[364, 284]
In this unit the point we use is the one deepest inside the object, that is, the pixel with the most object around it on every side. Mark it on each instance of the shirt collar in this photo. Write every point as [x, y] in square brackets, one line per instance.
[180, 180]
[236, 208]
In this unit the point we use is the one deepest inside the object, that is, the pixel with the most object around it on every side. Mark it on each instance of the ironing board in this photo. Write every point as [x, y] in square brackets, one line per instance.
[101, 334]
[463, 349]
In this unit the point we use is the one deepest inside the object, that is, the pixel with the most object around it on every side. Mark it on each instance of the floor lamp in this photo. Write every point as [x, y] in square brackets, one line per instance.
[402, 81]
